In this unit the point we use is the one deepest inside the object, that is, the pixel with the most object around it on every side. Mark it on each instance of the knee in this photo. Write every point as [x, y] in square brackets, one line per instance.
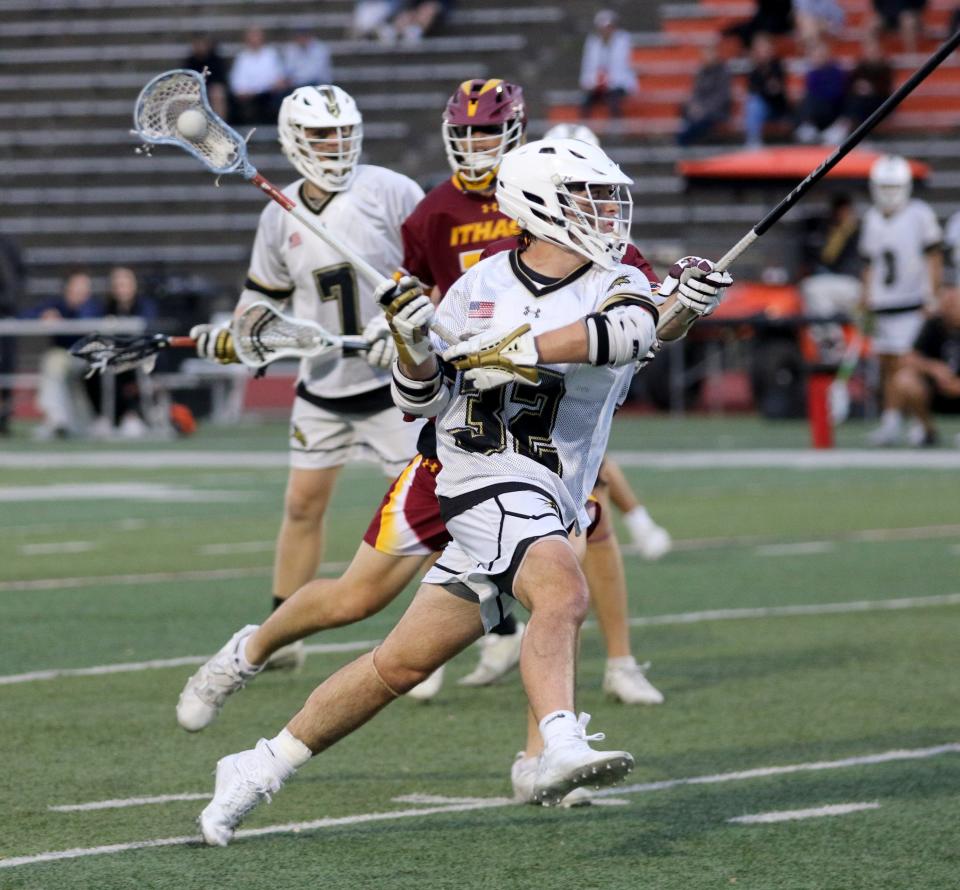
[907, 382]
[302, 506]
[401, 671]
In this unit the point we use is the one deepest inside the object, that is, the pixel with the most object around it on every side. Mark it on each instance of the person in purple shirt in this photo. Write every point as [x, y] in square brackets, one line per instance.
[825, 91]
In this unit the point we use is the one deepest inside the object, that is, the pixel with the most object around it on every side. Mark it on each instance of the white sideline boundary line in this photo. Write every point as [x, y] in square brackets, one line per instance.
[122, 803]
[836, 809]
[489, 803]
[892, 605]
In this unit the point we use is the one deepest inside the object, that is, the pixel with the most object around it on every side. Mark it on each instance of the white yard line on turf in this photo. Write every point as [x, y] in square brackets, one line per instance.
[125, 802]
[800, 548]
[835, 809]
[236, 547]
[773, 458]
[122, 491]
[160, 663]
[919, 602]
[491, 803]
[55, 547]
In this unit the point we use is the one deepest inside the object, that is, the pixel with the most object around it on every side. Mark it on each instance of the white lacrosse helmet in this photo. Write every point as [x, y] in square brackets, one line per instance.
[570, 193]
[572, 131]
[891, 182]
[331, 162]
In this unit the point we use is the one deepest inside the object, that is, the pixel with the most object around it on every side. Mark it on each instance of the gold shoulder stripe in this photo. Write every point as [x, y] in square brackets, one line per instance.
[631, 300]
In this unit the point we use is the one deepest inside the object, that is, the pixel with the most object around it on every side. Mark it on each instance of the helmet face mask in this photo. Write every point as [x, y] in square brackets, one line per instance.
[891, 183]
[483, 121]
[570, 194]
[321, 133]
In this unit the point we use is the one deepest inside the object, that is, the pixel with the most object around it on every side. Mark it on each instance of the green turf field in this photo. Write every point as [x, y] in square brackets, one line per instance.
[804, 631]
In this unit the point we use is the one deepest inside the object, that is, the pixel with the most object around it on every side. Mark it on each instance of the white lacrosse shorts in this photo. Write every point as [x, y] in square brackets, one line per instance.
[321, 438]
[492, 530]
[895, 333]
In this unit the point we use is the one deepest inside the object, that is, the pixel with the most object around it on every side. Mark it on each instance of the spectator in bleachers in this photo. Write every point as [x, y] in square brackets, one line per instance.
[419, 18]
[824, 94]
[710, 99]
[928, 382]
[306, 60]
[371, 18]
[769, 17]
[815, 20]
[204, 55]
[606, 71]
[869, 84]
[256, 81]
[766, 90]
[66, 398]
[11, 290]
[125, 300]
[902, 16]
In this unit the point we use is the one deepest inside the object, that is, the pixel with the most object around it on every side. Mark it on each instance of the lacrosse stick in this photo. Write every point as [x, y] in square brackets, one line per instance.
[261, 335]
[828, 163]
[169, 110]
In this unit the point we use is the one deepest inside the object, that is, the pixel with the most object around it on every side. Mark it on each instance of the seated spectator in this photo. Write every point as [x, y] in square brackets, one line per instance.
[770, 17]
[825, 88]
[903, 16]
[420, 18]
[306, 61]
[815, 20]
[66, 397]
[710, 100]
[11, 291]
[256, 81]
[869, 85]
[606, 71]
[125, 300]
[204, 56]
[371, 18]
[766, 90]
[928, 382]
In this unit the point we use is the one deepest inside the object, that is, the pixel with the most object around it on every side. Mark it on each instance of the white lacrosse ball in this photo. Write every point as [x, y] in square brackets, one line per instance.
[192, 124]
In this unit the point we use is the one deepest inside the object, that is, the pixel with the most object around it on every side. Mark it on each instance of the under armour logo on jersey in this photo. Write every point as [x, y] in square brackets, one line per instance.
[528, 311]
[490, 207]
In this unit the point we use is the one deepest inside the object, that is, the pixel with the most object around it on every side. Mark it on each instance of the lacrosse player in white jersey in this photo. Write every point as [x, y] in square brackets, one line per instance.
[523, 413]
[343, 409]
[901, 241]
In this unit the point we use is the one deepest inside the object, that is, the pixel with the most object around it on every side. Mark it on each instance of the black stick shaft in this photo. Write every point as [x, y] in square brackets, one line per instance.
[848, 144]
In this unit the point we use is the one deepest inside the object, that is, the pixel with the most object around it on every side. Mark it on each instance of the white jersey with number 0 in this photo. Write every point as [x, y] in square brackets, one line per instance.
[290, 262]
[896, 246]
[551, 436]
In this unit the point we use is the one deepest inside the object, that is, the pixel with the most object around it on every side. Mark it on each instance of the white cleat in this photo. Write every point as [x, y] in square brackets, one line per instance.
[523, 775]
[207, 690]
[627, 682]
[651, 540]
[499, 654]
[287, 658]
[571, 763]
[428, 688]
[243, 780]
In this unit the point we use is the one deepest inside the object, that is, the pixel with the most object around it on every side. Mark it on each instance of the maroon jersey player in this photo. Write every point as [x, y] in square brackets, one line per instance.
[449, 229]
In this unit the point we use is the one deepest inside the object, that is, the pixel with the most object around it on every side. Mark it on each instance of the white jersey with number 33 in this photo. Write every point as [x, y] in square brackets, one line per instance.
[289, 262]
[553, 435]
[895, 246]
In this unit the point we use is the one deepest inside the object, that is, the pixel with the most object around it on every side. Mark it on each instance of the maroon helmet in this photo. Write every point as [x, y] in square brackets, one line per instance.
[483, 120]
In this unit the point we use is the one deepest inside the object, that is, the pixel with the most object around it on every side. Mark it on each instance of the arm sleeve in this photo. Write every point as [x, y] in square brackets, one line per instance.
[932, 233]
[627, 285]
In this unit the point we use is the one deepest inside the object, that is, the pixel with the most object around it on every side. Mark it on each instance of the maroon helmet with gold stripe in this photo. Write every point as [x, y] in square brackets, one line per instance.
[483, 120]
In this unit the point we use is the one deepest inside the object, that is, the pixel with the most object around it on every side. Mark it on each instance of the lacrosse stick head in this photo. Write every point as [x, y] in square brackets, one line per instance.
[103, 352]
[158, 118]
[262, 334]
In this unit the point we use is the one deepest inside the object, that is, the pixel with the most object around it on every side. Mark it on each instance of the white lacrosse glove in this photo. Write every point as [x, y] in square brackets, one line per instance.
[409, 313]
[493, 358]
[697, 284]
[215, 342]
[383, 350]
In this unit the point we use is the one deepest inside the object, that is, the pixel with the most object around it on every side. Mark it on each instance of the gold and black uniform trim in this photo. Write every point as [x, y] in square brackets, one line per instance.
[275, 293]
[624, 299]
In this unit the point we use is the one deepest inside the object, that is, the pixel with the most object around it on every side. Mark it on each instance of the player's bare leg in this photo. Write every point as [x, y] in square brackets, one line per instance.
[910, 394]
[371, 582]
[891, 419]
[651, 540]
[343, 703]
[300, 541]
[623, 678]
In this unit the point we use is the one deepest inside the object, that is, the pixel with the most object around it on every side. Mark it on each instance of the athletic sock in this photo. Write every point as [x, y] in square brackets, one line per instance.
[623, 661]
[557, 725]
[246, 666]
[290, 750]
[506, 628]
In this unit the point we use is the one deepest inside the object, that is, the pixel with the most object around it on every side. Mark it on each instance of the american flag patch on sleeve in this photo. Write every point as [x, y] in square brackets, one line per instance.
[480, 309]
